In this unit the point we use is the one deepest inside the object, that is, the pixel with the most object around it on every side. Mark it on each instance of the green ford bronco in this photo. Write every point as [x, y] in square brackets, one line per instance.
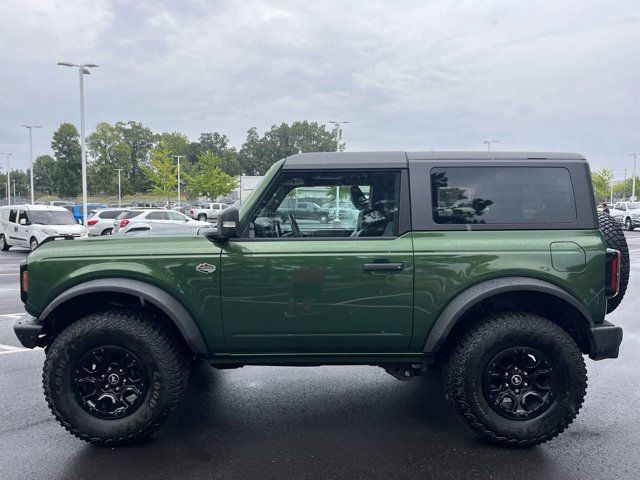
[493, 267]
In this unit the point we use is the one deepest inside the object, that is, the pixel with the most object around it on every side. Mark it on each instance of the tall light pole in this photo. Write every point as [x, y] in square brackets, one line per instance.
[489, 142]
[338, 124]
[633, 186]
[83, 70]
[30, 128]
[119, 190]
[14, 191]
[178, 157]
[8, 177]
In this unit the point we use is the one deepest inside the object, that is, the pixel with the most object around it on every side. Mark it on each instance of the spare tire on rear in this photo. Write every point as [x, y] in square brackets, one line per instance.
[614, 238]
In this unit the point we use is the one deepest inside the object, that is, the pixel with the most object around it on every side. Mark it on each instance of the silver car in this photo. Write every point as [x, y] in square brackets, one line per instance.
[160, 221]
[101, 222]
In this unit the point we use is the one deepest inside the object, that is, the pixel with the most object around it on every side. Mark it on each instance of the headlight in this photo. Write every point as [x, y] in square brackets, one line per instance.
[48, 231]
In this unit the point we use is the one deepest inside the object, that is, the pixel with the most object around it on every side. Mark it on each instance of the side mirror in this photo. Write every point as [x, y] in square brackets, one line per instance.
[228, 224]
[23, 221]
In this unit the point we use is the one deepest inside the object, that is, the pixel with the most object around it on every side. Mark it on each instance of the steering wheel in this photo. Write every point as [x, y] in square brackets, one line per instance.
[295, 229]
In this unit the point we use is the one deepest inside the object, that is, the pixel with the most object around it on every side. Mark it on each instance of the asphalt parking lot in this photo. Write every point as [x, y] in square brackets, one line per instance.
[317, 423]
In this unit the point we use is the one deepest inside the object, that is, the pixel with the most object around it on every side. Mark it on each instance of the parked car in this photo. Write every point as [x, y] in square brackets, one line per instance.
[303, 210]
[207, 211]
[158, 221]
[627, 213]
[504, 302]
[76, 210]
[60, 203]
[30, 225]
[101, 221]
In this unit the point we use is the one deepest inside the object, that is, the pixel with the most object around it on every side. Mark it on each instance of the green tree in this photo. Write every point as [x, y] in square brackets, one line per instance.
[178, 143]
[218, 144]
[162, 172]
[20, 184]
[66, 149]
[259, 153]
[109, 152]
[140, 140]
[207, 179]
[43, 174]
[602, 183]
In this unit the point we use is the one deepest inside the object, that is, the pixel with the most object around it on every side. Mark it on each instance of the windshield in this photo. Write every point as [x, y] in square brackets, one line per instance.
[51, 218]
[633, 205]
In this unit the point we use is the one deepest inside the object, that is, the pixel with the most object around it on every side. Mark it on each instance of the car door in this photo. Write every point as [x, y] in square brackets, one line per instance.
[21, 229]
[313, 287]
[158, 219]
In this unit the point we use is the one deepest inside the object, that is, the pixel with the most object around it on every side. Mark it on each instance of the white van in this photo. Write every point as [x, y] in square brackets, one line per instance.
[30, 225]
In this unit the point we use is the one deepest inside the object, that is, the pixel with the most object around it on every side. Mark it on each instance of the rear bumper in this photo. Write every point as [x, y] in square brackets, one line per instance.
[605, 339]
[28, 331]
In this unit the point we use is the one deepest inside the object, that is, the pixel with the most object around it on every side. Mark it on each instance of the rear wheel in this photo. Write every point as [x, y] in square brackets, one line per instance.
[4, 246]
[113, 377]
[516, 379]
[614, 238]
[107, 231]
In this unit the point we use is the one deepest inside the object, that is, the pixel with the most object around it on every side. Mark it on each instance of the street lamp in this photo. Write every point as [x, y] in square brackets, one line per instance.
[489, 142]
[30, 128]
[83, 70]
[633, 186]
[119, 190]
[8, 177]
[178, 157]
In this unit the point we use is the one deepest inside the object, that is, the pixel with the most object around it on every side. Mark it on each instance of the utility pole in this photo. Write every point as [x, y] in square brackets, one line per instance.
[83, 70]
[119, 190]
[633, 186]
[338, 124]
[30, 128]
[178, 157]
[624, 186]
[488, 143]
[8, 177]
[15, 200]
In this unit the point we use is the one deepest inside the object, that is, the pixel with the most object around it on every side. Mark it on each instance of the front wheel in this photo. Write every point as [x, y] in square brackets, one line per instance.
[628, 225]
[33, 243]
[516, 379]
[4, 246]
[202, 217]
[113, 377]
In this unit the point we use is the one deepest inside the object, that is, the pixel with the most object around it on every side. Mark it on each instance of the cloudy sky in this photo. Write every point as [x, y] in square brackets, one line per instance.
[411, 75]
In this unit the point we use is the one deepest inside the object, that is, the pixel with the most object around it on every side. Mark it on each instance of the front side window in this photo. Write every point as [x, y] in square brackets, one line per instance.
[177, 216]
[23, 216]
[157, 216]
[502, 195]
[329, 204]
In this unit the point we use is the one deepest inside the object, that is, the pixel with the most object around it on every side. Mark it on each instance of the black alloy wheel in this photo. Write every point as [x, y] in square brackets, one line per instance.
[628, 224]
[520, 383]
[110, 382]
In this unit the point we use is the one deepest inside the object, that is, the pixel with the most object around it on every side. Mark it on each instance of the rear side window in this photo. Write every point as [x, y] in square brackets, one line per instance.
[131, 214]
[13, 215]
[156, 215]
[109, 214]
[502, 195]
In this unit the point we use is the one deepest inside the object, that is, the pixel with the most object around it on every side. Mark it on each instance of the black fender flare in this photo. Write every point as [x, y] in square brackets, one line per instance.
[471, 296]
[146, 292]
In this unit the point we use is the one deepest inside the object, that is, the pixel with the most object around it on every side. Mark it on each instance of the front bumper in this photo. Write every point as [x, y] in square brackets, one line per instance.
[605, 339]
[28, 331]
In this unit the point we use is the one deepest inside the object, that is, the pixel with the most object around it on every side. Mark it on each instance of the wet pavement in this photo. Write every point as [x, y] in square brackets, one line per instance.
[318, 422]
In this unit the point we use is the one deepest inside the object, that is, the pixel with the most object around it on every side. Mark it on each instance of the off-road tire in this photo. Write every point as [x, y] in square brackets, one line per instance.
[166, 362]
[614, 238]
[4, 246]
[466, 363]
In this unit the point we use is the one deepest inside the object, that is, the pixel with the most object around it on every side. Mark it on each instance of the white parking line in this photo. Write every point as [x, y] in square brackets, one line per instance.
[14, 316]
[7, 349]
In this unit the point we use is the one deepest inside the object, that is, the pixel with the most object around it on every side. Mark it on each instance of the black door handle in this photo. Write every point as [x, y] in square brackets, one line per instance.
[376, 267]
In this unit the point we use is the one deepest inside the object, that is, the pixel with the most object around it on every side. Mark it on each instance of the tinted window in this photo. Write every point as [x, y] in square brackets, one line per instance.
[110, 214]
[13, 215]
[23, 216]
[51, 218]
[502, 195]
[362, 204]
[130, 214]
[157, 216]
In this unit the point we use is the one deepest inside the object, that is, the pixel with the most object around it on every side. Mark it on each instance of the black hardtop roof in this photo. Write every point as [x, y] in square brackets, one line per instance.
[400, 159]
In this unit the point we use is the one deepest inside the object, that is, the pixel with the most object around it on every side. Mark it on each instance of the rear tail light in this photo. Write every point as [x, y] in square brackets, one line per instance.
[612, 276]
[92, 221]
[190, 211]
[124, 223]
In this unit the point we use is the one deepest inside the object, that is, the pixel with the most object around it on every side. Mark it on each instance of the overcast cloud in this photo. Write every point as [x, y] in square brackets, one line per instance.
[421, 75]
